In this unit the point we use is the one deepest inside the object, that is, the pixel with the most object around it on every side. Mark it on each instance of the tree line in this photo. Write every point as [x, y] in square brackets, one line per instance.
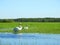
[31, 20]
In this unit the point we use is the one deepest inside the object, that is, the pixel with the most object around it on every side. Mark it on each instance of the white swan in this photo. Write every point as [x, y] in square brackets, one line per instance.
[26, 27]
[19, 28]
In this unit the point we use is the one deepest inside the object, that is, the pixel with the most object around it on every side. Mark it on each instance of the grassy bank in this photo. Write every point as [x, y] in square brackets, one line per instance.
[34, 27]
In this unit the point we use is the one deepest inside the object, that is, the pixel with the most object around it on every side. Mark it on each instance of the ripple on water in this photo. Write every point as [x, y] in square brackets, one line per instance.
[29, 39]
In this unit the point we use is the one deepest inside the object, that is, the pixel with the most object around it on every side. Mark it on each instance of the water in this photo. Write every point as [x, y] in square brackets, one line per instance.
[29, 39]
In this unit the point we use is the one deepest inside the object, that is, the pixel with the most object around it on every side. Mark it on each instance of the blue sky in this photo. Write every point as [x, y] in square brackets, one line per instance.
[29, 8]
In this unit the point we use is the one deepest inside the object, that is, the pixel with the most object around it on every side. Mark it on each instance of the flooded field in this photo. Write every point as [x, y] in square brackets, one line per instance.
[29, 39]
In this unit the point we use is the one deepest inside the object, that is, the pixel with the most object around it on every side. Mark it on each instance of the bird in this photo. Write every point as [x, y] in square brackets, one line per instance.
[26, 27]
[19, 28]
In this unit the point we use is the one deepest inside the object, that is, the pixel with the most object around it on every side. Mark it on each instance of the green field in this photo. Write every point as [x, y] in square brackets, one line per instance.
[34, 27]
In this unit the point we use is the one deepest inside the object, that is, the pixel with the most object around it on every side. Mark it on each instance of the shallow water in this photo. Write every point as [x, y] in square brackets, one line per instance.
[29, 39]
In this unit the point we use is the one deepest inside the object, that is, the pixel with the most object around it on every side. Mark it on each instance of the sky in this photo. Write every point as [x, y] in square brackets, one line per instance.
[29, 8]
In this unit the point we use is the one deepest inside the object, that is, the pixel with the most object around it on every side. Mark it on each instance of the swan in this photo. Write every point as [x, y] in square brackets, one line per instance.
[18, 28]
[26, 27]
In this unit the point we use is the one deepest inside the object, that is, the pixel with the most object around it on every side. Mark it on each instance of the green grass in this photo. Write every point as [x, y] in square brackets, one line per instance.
[34, 27]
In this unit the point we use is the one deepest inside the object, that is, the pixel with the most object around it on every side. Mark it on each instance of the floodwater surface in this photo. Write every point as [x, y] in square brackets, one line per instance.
[29, 39]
